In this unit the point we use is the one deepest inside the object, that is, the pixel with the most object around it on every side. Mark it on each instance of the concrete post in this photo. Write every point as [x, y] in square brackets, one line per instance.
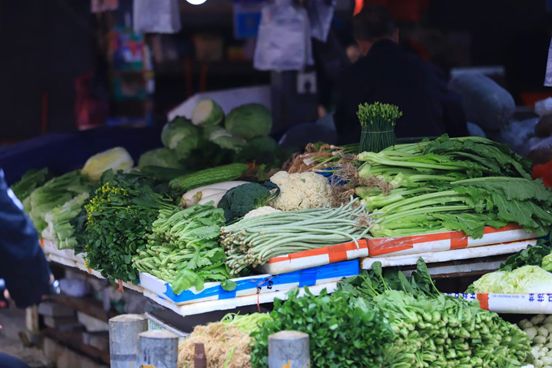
[158, 348]
[123, 339]
[288, 349]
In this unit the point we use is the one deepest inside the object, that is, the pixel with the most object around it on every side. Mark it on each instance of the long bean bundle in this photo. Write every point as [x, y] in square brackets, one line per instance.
[252, 241]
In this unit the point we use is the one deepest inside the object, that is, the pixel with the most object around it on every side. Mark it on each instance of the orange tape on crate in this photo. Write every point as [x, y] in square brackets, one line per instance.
[381, 246]
[458, 240]
[491, 230]
[483, 301]
[338, 252]
[335, 253]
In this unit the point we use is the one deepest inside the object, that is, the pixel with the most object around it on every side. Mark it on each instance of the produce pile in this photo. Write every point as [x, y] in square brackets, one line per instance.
[183, 248]
[529, 271]
[389, 320]
[461, 184]
[539, 331]
[215, 202]
[227, 343]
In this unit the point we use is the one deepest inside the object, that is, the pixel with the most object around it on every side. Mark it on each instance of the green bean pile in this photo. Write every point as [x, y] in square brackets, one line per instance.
[252, 241]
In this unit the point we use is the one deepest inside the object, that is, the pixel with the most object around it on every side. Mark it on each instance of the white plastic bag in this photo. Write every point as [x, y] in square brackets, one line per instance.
[548, 76]
[320, 15]
[156, 16]
[284, 40]
[544, 107]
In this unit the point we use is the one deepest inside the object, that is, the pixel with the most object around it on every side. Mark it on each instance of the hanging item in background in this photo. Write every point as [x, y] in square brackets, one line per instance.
[91, 102]
[100, 6]
[548, 77]
[284, 40]
[320, 15]
[247, 16]
[156, 16]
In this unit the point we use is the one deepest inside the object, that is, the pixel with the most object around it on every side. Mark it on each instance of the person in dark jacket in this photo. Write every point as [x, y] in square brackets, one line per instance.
[387, 73]
[22, 263]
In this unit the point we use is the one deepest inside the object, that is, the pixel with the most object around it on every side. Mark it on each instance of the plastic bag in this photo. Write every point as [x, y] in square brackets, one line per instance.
[548, 76]
[485, 102]
[156, 16]
[320, 15]
[517, 133]
[284, 40]
[544, 107]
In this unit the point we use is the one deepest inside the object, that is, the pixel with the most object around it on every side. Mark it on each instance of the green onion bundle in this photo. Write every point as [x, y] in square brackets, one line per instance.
[378, 125]
[253, 241]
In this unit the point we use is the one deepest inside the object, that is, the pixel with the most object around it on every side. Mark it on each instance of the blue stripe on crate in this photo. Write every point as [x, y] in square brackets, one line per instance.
[307, 277]
[223, 294]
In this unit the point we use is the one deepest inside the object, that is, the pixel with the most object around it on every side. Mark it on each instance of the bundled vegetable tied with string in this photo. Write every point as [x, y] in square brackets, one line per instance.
[378, 122]
[253, 241]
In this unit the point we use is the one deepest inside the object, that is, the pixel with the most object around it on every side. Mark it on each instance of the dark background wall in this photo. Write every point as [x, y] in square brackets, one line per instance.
[44, 46]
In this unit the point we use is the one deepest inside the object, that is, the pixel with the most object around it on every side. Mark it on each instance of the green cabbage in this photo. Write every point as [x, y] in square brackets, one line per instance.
[249, 121]
[224, 139]
[207, 113]
[526, 279]
[181, 136]
[547, 262]
[115, 159]
[159, 157]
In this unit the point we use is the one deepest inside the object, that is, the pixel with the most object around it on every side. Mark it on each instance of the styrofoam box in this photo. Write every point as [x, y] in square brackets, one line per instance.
[252, 284]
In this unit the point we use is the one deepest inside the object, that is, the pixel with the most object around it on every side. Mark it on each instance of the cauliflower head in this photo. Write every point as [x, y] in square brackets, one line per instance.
[301, 191]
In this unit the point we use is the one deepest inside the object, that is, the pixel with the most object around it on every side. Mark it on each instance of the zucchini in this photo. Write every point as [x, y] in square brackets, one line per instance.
[208, 176]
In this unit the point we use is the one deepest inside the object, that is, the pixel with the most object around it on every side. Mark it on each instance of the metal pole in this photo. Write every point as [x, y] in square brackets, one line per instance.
[158, 348]
[123, 339]
[288, 349]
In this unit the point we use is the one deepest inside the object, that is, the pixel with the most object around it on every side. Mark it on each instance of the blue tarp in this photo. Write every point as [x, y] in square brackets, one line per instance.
[62, 152]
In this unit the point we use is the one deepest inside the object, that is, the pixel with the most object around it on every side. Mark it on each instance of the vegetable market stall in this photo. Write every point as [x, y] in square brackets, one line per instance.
[220, 221]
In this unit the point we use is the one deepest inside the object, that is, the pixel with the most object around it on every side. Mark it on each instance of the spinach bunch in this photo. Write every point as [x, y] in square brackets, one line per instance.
[344, 331]
[116, 223]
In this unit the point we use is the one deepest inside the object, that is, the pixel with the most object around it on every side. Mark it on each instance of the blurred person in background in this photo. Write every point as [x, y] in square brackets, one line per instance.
[390, 74]
[22, 263]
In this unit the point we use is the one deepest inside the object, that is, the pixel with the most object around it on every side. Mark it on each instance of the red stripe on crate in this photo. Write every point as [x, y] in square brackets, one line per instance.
[381, 246]
[338, 252]
[458, 240]
[483, 301]
[335, 253]
[426, 238]
[491, 230]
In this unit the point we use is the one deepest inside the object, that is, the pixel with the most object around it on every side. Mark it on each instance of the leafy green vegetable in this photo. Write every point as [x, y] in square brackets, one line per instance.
[55, 193]
[238, 201]
[262, 150]
[469, 205]
[433, 330]
[249, 121]
[119, 216]
[183, 248]
[116, 159]
[522, 280]
[31, 180]
[181, 136]
[207, 113]
[160, 157]
[225, 139]
[60, 227]
[532, 255]
[344, 331]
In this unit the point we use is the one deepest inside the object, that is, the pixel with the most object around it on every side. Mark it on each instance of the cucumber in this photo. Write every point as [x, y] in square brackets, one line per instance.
[208, 176]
